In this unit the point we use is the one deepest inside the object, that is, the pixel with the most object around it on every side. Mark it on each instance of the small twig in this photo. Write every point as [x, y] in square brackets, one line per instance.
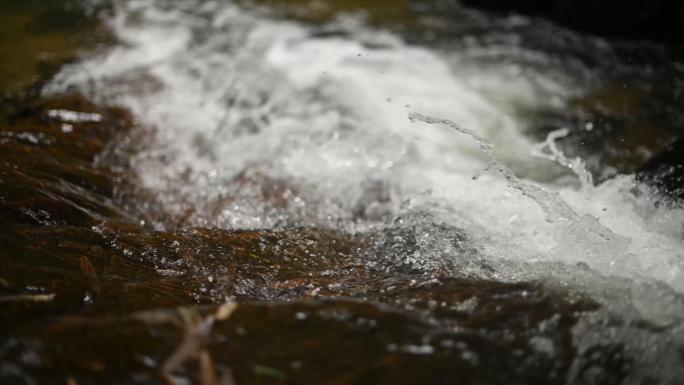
[207, 370]
[192, 346]
[28, 298]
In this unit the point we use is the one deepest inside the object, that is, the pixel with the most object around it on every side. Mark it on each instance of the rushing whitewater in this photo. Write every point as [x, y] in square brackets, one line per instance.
[251, 122]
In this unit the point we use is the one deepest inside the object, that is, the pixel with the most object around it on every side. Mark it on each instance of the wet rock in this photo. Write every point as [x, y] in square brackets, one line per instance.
[310, 307]
[48, 165]
[329, 341]
[52, 190]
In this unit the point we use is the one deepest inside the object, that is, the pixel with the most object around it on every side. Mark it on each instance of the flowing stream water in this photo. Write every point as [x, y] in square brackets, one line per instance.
[247, 120]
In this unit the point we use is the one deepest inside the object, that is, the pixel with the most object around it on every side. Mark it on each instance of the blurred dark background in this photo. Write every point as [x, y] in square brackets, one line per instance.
[658, 20]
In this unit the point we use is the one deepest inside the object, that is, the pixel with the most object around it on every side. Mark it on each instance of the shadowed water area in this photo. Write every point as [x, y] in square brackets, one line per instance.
[350, 192]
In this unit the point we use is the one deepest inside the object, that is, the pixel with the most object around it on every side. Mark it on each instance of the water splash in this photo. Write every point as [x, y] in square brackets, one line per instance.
[548, 150]
[581, 236]
[554, 207]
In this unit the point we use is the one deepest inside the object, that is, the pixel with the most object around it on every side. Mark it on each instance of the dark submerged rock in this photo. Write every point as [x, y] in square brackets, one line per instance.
[665, 171]
[48, 166]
